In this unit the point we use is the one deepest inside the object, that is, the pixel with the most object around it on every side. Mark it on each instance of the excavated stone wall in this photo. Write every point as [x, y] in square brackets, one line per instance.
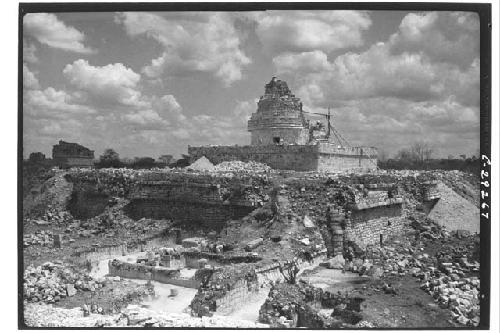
[192, 258]
[144, 272]
[199, 198]
[204, 199]
[373, 204]
[231, 286]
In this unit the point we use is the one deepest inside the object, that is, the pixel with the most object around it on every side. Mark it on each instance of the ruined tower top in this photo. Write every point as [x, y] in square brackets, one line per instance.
[279, 118]
[277, 88]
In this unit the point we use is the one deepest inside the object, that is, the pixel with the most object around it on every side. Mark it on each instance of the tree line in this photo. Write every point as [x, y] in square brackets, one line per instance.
[111, 159]
[419, 157]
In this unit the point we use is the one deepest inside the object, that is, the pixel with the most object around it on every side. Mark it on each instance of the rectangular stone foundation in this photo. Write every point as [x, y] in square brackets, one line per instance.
[318, 157]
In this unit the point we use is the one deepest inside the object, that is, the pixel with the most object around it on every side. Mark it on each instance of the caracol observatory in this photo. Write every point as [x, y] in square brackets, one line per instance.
[284, 139]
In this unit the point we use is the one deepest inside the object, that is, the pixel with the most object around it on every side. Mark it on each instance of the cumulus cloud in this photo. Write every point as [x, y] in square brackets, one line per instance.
[29, 50]
[60, 127]
[374, 72]
[392, 123]
[169, 106]
[145, 118]
[51, 103]
[202, 42]
[30, 81]
[301, 31]
[49, 30]
[423, 82]
[244, 109]
[306, 62]
[113, 83]
[379, 71]
[451, 37]
[166, 113]
[200, 129]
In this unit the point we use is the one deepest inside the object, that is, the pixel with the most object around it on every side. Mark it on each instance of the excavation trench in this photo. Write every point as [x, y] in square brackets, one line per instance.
[164, 301]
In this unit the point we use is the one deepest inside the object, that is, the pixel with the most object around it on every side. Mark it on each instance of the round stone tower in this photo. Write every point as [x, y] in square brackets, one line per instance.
[279, 118]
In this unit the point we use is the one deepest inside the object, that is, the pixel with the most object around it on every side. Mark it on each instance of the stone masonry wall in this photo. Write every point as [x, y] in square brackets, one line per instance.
[340, 162]
[368, 232]
[262, 137]
[283, 157]
[208, 215]
[332, 158]
[202, 199]
[321, 157]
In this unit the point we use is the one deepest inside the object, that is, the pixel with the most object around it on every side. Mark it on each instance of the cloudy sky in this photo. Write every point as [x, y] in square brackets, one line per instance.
[148, 84]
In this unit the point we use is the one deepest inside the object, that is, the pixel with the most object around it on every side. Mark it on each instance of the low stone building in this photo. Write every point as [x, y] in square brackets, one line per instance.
[67, 155]
[283, 138]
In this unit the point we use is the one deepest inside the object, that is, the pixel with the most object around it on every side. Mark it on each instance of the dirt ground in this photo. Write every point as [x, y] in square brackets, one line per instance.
[411, 307]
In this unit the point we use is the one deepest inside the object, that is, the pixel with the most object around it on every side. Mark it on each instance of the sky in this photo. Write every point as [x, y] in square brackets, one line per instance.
[152, 83]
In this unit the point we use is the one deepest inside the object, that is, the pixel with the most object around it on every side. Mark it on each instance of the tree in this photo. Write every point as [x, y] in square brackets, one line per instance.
[166, 159]
[421, 152]
[289, 272]
[404, 154]
[37, 157]
[109, 159]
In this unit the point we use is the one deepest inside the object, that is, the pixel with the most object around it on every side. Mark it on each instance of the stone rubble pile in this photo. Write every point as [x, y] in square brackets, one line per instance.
[239, 166]
[51, 282]
[41, 237]
[52, 215]
[114, 182]
[110, 221]
[201, 164]
[449, 276]
[42, 315]
[287, 303]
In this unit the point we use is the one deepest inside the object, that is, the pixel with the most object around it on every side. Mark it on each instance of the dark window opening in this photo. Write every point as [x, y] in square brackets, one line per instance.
[277, 139]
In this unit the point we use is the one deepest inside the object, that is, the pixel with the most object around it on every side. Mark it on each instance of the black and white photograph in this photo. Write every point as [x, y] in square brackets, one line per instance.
[257, 166]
